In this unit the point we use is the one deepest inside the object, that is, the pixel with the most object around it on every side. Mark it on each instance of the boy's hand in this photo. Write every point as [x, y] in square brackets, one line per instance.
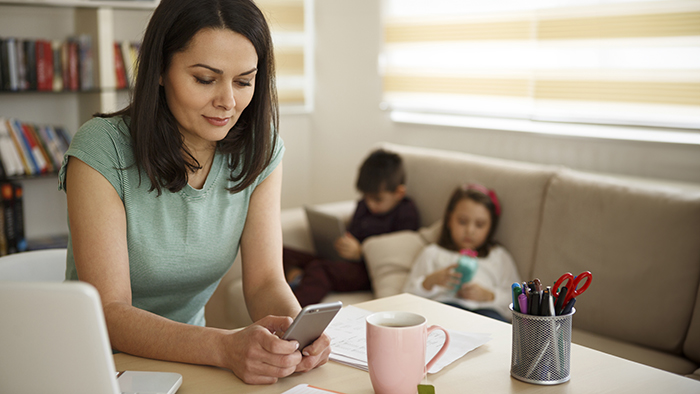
[348, 247]
[474, 292]
[446, 277]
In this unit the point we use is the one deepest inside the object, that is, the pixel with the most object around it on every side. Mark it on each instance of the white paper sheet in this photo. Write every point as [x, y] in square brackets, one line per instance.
[348, 341]
[306, 389]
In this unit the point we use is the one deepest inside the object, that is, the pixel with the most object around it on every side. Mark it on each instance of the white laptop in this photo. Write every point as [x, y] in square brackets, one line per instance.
[325, 229]
[53, 339]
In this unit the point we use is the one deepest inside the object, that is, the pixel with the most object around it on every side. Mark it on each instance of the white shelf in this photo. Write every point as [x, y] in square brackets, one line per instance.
[126, 4]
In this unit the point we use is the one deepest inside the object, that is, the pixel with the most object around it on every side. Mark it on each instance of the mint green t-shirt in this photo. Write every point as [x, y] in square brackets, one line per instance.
[180, 244]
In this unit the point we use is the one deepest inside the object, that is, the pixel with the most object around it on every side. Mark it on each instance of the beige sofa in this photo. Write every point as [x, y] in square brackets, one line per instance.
[641, 241]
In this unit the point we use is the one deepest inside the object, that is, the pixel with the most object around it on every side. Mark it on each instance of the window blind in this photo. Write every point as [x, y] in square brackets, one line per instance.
[292, 35]
[629, 62]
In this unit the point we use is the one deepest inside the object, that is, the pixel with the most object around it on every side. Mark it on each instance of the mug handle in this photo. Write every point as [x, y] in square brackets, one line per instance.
[443, 349]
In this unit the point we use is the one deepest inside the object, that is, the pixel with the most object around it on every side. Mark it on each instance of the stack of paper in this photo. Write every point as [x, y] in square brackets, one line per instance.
[348, 341]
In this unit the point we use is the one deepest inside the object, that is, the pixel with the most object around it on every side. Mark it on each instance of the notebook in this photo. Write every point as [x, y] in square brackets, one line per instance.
[53, 339]
[325, 229]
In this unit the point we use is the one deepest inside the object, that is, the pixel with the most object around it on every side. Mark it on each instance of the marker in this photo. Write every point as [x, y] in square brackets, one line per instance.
[526, 289]
[538, 284]
[547, 304]
[516, 290]
[567, 309]
[522, 300]
[560, 301]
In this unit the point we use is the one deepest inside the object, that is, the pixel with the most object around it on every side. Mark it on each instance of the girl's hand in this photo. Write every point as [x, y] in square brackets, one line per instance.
[446, 277]
[257, 356]
[474, 292]
[348, 247]
[315, 354]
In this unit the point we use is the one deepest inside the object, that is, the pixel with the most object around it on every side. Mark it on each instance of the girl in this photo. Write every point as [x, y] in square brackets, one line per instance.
[470, 220]
[162, 194]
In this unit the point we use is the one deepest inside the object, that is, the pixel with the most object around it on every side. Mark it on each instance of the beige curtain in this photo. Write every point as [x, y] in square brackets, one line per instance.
[291, 34]
[584, 61]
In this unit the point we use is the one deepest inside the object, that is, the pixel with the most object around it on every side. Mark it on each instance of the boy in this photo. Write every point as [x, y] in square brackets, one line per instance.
[384, 208]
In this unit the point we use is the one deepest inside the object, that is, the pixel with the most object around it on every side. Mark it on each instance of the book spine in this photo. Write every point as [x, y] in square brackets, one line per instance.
[34, 152]
[52, 148]
[119, 67]
[10, 158]
[13, 80]
[8, 208]
[86, 63]
[73, 66]
[19, 147]
[3, 64]
[40, 150]
[57, 49]
[30, 64]
[19, 217]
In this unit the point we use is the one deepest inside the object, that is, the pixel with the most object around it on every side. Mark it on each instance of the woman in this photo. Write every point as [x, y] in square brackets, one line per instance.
[161, 195]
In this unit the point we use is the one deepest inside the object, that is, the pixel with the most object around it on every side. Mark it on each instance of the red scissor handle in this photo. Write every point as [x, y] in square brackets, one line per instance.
[572, 285]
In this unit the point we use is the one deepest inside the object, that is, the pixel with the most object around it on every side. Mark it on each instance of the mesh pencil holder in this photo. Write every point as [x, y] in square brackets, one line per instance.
[541, 350]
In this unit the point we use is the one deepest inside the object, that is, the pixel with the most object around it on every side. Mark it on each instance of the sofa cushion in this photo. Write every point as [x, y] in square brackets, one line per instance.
[432, 175]
[691, 347]
[389, 258]
[640, 243]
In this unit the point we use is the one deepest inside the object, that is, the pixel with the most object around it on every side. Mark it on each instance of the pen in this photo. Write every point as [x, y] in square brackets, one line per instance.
[567, 309]
[545, 308]
[560, 301]
[534, 306]
[516, 290]
[526, 289]
[522, 300]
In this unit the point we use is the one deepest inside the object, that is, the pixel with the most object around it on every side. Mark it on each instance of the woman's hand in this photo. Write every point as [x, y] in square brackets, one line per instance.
[348, 247]
[474, 292]
[315, 354]
[257, 356]
[446, 277]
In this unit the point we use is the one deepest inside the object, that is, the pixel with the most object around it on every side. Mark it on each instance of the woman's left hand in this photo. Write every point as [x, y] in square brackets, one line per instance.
[474, 292]
[315, 354]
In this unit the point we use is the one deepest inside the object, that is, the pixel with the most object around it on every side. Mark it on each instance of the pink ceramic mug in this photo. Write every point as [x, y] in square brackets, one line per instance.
[396, 346]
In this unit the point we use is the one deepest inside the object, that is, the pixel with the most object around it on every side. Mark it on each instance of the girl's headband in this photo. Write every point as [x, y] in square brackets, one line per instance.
[489, 192]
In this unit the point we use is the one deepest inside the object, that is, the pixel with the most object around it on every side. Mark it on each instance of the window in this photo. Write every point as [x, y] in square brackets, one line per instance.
[615, 62]
[291, 24]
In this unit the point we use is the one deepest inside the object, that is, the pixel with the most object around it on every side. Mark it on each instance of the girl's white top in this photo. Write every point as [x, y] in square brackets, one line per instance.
[497, 272]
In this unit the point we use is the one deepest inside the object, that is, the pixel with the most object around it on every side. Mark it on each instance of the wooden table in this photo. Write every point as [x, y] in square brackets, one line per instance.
[484, 370]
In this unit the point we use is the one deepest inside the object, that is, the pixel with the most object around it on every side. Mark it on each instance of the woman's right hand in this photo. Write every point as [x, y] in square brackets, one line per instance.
[446, 277]
[257, 356]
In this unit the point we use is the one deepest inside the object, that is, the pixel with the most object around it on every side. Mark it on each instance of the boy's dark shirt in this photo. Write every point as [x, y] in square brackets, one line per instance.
[364, 224]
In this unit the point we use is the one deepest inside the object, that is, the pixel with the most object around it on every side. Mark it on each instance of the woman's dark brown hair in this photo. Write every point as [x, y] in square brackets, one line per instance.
[158, 144]
[476, 194]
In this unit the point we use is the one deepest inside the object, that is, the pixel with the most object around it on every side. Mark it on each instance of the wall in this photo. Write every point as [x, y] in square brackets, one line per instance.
[347, 122]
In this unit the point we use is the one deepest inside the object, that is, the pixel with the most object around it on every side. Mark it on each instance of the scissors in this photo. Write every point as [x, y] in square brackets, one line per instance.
[572, 285]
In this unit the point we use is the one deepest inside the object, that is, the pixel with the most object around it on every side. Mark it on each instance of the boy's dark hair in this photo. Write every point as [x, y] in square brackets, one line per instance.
[382, 170]
[469, 193]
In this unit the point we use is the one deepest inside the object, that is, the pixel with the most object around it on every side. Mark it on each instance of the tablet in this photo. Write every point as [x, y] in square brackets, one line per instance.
[325, 229]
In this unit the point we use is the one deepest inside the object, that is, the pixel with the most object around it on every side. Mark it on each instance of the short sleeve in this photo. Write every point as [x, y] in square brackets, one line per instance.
[277, 155]
[104, 145]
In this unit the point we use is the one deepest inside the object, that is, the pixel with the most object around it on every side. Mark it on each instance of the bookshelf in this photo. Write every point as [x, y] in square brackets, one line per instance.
[106, 22]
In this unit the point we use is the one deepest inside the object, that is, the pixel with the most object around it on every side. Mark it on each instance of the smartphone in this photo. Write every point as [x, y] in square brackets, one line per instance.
[311, 322]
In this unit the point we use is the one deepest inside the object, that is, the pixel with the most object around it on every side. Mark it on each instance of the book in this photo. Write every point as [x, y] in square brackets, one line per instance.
[57, 48]
[39, 165]
[22, 83]
[20, 147]
[12, 65]
[73, 80]
[21, 240]
[86, 72]
[3, 64]
[44, 65]
[47, 135]
[119, 67]
[30, 64]
[38, 148]
[7, 195]
[8, 153]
